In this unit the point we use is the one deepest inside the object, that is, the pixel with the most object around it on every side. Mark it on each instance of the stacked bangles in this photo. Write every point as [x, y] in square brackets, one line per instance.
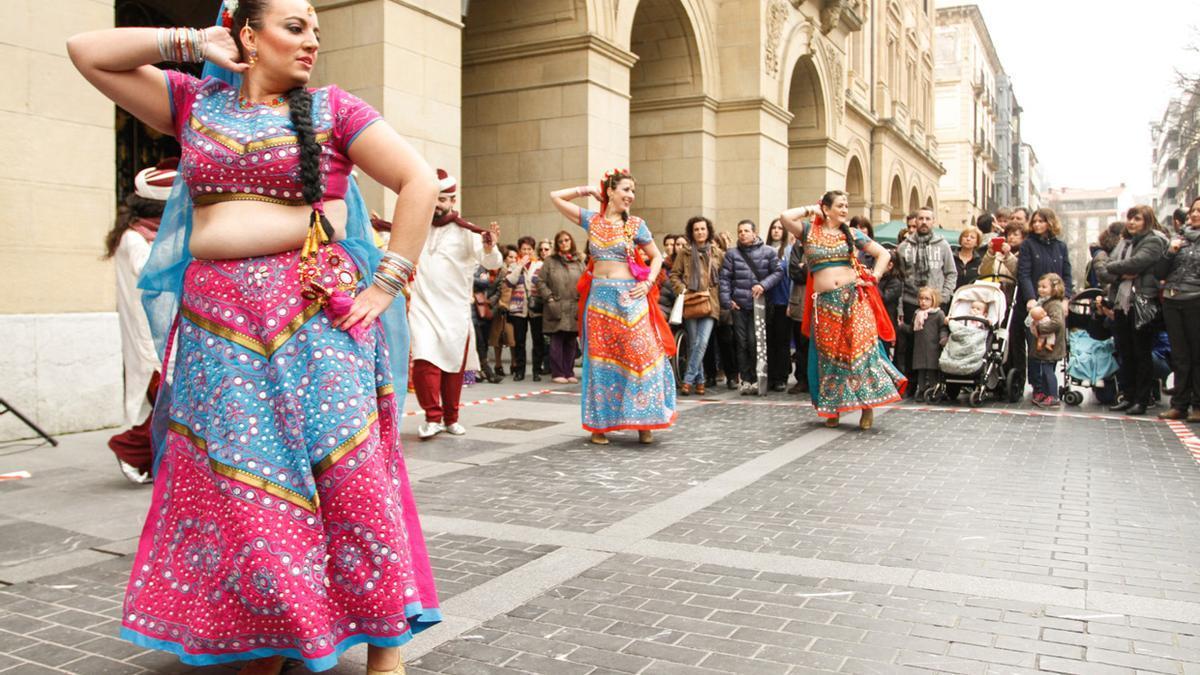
[394, 274]
[182, 45]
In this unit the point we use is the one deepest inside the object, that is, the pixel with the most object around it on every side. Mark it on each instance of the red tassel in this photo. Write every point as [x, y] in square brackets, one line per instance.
[338, 306]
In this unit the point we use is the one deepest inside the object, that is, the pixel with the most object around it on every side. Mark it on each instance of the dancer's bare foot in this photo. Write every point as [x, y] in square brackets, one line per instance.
[831, 422]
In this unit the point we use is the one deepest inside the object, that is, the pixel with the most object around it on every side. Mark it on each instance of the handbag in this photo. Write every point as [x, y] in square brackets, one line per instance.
[696, 304]
[677, 317]
[1144, 311]
[482, 306]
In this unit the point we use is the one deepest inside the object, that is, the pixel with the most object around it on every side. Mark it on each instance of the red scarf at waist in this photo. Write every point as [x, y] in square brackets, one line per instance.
[662, 330]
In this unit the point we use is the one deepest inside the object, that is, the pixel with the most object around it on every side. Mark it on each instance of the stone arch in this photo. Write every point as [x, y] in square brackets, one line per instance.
[856, 187]
[699, 26]
[914, 199]
[670, 127]
[896, 198]
[929, 201]
[808, 134]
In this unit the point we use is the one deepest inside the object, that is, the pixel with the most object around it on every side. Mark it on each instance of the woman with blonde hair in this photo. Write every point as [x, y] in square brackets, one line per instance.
[967, 259]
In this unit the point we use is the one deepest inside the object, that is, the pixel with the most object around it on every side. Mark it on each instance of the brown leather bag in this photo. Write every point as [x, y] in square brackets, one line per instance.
[697, 305]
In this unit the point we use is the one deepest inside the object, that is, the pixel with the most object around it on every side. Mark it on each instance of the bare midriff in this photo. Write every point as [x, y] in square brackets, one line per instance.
[245, 229]
[831, 278]
[611, 269]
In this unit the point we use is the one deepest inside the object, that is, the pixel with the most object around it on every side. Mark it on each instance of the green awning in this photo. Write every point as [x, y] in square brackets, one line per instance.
[886, 233]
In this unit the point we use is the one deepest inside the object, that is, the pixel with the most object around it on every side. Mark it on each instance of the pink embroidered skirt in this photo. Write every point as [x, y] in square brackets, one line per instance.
[282, 521]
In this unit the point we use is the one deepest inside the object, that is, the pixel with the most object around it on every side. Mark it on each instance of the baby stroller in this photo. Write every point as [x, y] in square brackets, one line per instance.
[975, 356]
[1090, 361]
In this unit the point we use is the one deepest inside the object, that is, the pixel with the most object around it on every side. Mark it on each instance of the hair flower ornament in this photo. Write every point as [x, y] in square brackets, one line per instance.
[231, 6]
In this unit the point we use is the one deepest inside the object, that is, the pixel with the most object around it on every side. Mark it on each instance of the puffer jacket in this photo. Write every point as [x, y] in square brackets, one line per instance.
[941, 275]
[1181, 270]
[737, 279]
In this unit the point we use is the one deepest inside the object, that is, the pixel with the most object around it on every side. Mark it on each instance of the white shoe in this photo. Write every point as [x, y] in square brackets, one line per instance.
[456, 429]
[133, 474]
[430, 429]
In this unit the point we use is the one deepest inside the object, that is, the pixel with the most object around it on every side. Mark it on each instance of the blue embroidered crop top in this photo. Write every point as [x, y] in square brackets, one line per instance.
[824, 248]
[609, 241]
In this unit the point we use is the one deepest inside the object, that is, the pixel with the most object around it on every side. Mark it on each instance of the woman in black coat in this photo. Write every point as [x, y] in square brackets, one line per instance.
[1132, 279]
[1180, 269]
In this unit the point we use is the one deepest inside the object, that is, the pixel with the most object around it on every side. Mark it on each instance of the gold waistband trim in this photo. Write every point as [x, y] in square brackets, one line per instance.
[219, 197]
[245, 477]
[252, 146]
[264, 348]
[346, 446]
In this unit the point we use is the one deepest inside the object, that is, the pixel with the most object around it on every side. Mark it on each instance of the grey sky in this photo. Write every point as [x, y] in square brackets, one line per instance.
[1091, 75]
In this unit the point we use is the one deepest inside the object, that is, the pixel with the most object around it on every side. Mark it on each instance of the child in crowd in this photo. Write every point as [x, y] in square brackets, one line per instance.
[930, 333]
[965, 351]
[891, 287]
[1047, 330]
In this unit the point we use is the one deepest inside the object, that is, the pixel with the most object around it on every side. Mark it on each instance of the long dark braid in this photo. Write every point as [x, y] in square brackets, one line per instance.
[300, 110]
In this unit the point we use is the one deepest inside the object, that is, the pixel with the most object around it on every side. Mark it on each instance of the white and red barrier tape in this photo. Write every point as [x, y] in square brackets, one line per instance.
[1184, 433]
[494, 399]
[1182, 430]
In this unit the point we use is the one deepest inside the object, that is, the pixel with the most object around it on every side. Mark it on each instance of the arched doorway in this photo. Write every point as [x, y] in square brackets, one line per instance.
[669, 120]
[929, 202]
[856, 188]
[896, 199]
[808, 137]
[914, 200]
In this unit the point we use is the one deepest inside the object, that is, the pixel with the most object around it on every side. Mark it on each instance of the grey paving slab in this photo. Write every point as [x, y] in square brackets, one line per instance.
[582, 487]
[462, 562]
[1103, 505]
[649, 615]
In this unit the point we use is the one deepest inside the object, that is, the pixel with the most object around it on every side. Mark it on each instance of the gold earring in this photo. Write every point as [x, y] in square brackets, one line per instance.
[253, 56]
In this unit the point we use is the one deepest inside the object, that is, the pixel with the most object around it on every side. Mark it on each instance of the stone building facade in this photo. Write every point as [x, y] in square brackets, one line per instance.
[729, 108]
[969, 75]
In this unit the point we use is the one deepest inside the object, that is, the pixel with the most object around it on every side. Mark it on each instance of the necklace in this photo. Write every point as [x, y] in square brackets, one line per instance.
[245, 102]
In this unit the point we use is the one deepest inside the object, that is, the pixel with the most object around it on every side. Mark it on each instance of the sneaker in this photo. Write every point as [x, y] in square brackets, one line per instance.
[573, 380]
[456, 429]
[133, 474]
[430, 429]
[1051, 402]
[749, 389]
[559, 380]
[1038, 400]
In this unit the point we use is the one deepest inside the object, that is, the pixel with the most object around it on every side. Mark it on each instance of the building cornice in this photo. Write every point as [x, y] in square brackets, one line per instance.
[757, 104]
[676, 103]
[336, 4]
[551, 47]
[971, 13]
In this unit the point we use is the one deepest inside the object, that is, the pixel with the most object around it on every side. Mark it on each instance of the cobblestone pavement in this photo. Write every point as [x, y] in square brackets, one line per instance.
[749, 539]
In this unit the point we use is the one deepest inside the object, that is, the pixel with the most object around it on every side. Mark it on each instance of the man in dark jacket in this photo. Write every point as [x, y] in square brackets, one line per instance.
[749, 270]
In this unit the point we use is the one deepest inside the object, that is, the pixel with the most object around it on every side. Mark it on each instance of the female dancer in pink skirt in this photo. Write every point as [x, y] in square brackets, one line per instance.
[282, 523]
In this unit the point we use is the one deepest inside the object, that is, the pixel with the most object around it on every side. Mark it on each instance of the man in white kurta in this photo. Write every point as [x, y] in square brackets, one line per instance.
[439, 317]
[138, 225]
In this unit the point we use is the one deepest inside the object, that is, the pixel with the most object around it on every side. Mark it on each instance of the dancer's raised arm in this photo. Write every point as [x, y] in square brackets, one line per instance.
[561, 200]
[117, 61]
[793, 219]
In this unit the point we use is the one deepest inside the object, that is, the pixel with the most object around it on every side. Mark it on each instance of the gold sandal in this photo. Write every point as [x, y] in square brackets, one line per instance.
[645, 437]
[398, 670]
[831, 422]
[599, 439]
[867, 419]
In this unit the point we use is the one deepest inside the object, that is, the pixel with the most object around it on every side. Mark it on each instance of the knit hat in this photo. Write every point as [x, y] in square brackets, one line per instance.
[447, 183]
[155, 182]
